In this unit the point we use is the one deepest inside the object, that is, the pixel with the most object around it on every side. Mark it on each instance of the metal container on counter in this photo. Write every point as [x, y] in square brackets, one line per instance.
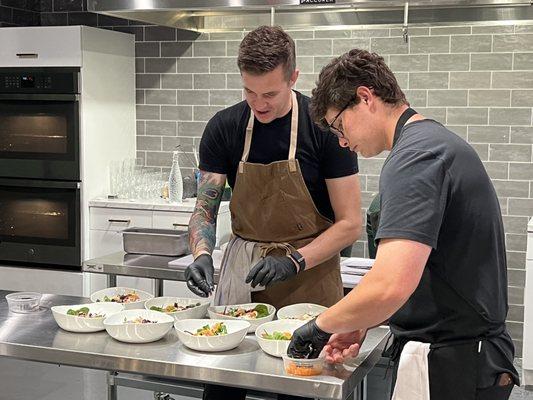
[158, 242]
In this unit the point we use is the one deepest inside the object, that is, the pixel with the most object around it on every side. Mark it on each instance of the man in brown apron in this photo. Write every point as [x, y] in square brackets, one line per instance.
[440, 274]
[284, 201]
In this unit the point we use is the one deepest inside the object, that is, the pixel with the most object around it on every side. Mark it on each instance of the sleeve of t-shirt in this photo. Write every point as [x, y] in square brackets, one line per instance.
[337, 161]
[413, 190]
[213, 154]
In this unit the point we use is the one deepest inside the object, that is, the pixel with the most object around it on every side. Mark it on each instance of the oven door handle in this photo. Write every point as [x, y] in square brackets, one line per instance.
[38, 183]
[39, 96]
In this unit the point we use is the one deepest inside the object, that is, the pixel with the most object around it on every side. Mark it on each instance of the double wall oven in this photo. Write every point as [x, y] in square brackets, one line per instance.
[40, 167]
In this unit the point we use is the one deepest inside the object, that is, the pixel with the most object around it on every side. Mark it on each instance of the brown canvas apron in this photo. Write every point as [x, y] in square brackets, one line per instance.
[272, 205]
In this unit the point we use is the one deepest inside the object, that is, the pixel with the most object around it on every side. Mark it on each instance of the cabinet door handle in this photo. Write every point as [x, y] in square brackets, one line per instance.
[27, 55]
[176, 225]
[120, 221]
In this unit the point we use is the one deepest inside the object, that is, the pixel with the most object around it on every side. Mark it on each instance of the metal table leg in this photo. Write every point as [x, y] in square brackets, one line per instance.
[158, 287]
[360, 390]
[111, 386]
[111, 280]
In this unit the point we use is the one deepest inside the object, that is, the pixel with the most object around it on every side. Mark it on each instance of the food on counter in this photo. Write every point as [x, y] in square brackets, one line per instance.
[217, 329]
[305, 317]
[138, 320]
[277, 335]
[84, 312]
[173, 308]
[303, 369]
[122, 298]
[259, 311]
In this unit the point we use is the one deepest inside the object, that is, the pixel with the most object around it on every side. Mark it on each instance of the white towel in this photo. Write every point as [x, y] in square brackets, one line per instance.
[412, 382]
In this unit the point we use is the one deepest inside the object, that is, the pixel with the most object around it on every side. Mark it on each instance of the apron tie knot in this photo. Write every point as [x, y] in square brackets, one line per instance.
[269, 247]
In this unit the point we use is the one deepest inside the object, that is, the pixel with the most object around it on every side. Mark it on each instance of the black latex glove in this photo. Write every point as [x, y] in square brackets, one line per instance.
[308, 341]
[270, 270]
[199, 276]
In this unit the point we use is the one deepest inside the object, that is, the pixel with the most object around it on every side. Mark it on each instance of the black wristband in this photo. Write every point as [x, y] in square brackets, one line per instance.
[299, 259]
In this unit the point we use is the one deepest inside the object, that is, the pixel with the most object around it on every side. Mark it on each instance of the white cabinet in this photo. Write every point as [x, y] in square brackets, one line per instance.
[106, 223]
[41, 47]
[527, 362]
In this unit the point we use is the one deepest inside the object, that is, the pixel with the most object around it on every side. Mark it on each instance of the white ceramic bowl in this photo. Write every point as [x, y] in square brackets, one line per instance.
[191, 313]
[74, 323]
[114, 291]
[138, 333]
[301, 311]
[217, 312]
[237, 330]
[276, 348]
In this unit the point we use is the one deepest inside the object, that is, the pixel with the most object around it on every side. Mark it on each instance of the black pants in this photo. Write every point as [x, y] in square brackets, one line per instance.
[215, 392]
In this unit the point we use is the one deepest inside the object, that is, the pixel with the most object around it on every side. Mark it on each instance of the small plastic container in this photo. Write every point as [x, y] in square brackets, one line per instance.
[24, 302]
[303, 366]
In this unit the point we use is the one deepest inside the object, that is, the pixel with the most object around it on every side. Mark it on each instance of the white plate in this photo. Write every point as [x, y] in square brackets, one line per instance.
[114, 291]
[191, 313]
[216, 312]
[138, 333]
[237, 330]
[298, 311]
[74, 323]
[276, 348]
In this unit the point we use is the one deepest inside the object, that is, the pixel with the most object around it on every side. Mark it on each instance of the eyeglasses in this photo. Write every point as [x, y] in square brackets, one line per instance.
[336, 131]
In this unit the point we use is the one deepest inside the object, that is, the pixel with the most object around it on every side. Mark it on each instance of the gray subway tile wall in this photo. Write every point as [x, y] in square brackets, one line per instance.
[477, 80]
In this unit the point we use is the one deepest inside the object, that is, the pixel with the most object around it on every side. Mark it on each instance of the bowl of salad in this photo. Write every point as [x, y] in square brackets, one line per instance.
[301, 311]
[130, 298]
[274, 337]
[210, 334]
[138, 326]
[255, 313]
[84, 318]
[179, 307]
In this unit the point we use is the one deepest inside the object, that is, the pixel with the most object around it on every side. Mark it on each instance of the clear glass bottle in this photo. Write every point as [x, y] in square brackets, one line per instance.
[175, 181]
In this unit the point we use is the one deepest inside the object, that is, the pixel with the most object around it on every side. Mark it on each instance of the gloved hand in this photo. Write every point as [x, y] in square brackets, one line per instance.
[308, 341]
[271, 269]
[199, 276]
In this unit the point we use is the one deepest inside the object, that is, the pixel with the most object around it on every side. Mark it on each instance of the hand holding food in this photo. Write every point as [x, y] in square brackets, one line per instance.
[270, 270]
[308, 341]
[199, 276]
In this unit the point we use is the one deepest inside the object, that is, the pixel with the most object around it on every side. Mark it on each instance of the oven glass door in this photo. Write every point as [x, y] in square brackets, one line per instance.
[40, 222]
[39, 136]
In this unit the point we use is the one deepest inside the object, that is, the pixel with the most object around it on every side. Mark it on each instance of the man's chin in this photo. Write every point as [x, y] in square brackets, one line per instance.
[265, 118]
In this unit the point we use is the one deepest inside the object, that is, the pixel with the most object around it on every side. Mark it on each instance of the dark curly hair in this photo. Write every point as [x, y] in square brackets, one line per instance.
[338, 81]
[264, 49]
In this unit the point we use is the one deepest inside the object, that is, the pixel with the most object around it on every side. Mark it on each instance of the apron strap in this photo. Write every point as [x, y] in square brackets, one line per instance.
[294, 133]
[268, 247]
[293, 139]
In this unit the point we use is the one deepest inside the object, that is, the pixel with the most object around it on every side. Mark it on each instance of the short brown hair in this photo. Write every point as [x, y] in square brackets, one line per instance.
[339, 80]
[264, 49]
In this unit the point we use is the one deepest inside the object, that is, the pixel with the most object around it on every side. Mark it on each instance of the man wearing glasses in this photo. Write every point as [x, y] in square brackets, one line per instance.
[440, 275]
[296, 199]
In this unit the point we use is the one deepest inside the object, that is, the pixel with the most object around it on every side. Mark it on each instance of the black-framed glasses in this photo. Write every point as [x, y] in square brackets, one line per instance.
[336, 131]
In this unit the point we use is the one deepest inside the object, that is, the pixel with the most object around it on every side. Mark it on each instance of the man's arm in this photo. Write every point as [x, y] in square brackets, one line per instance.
[202, 225]
[384, 289]
[345, 197]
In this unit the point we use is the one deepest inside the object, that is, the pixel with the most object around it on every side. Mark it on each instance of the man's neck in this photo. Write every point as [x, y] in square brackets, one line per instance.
[392, 120]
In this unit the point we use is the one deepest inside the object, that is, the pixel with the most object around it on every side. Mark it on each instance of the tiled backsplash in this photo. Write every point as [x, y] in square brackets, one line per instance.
[478, 80]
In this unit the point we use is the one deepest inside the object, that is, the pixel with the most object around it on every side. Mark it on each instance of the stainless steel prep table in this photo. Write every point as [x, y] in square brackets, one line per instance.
[36, 337]
[155, 267]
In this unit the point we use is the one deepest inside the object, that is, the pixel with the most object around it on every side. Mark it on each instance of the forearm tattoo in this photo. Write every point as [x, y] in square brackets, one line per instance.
[203, 223]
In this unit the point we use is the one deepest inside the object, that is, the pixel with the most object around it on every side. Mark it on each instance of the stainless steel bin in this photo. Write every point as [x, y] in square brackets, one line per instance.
[158, 242]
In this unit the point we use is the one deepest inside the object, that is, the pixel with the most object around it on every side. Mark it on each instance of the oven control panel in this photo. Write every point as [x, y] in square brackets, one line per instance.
[39, 80]
[27, 81]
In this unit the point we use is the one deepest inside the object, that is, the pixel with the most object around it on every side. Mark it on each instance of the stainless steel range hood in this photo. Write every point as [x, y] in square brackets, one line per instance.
[231, 15]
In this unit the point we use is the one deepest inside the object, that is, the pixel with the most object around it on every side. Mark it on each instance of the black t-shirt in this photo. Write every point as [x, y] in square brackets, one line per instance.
[435, 190]
[318, 152]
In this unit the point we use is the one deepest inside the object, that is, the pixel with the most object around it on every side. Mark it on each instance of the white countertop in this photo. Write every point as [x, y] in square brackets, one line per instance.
[157, 205]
